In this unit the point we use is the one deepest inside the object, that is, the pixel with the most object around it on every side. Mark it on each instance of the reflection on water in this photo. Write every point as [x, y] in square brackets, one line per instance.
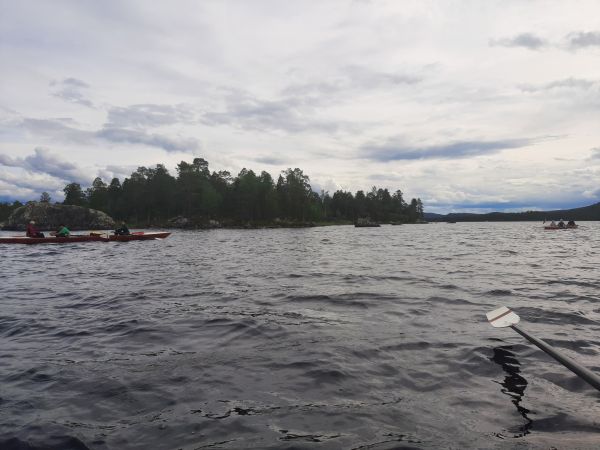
[514, 385]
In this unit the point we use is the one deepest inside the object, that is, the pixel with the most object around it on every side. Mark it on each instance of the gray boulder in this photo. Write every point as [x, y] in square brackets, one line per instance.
[179, 222]
[49, 216]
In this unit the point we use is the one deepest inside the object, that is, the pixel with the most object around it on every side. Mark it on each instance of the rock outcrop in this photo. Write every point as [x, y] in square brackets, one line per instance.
[180, 222]
[49, 216]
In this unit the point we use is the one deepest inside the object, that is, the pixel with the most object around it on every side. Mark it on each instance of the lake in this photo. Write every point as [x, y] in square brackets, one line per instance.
[320, 338]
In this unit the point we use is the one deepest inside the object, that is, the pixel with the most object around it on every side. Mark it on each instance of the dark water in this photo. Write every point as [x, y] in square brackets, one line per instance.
[319, 338]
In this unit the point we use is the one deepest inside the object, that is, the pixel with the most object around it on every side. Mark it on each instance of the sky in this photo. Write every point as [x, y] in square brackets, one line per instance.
[472, 106]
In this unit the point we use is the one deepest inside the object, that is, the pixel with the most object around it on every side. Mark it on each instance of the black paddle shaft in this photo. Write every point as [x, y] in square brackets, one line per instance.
[578, 369]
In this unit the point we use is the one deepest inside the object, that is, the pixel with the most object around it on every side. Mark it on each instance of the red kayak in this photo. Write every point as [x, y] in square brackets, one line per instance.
[92, 237]
[52, 239]
[138, 236]
[561, 228]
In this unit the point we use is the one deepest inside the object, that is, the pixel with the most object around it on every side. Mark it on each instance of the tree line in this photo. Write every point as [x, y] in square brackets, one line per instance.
[6, 209]
[151, 195]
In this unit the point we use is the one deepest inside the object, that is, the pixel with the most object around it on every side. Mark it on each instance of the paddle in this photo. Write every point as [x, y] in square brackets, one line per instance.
[504, 317]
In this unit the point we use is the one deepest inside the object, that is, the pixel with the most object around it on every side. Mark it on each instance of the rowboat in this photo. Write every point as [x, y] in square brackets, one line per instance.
[138, 236]
[52, 239]
[568, 227]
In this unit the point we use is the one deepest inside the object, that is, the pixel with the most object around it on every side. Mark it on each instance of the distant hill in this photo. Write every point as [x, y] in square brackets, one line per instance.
[591, 212]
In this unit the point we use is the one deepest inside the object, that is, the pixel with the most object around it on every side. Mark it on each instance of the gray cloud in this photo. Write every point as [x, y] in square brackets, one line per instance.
[593, 193]
[45, 162]
[354, 79]
[566, 83]
[294, 110]
[317, 88]
[574, 41]
[59, 130]
[526, 40]
[396, 149]
[293, 115]
[15, 188]
[271, 160]
[309, 101]
[70, 90]
[148, 115]
[595, 153]
[114, 171]
[73, 82]
[122, 135]
[39, 183]
[6, 160]
[366, 78]
[581, 39]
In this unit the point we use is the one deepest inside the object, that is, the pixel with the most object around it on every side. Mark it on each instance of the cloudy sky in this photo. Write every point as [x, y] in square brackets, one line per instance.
[469, 105]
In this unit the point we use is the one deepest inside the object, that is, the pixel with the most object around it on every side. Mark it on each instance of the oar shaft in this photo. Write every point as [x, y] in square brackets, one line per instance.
[578, 369]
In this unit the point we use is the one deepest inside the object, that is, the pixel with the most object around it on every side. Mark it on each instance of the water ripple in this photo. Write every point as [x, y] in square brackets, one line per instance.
[333, 337]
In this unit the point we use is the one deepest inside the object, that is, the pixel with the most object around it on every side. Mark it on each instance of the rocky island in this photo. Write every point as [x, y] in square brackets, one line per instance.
[49, 216]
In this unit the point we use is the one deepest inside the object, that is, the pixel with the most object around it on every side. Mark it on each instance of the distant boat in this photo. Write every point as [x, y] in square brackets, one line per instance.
[560, 225]
[566, 227]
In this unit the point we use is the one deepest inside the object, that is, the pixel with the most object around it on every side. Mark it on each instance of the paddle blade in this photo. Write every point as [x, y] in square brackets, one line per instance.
[502, 317]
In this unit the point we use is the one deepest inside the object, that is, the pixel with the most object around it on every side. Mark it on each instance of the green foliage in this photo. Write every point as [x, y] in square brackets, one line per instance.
[74, 195]
[45, 197]
[153, 195]
[295, 194]
[6, 209]
[97, 195]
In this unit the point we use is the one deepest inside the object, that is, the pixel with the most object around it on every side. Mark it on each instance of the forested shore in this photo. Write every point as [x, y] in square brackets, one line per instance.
[151, 196]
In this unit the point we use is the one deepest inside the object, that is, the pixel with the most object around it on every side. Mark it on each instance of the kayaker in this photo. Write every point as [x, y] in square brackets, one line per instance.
[62, 231]
[32, 231]
[123, 230]
[571, 223]
[552, 224]
[561, 224]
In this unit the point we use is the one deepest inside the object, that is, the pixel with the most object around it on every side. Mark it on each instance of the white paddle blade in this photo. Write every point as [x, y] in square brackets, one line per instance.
[502, 317]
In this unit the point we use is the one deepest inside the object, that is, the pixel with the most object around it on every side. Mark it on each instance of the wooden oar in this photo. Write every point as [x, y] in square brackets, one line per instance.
[504, 317]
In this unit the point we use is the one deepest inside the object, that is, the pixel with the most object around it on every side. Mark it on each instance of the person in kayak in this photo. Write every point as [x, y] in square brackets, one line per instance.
[561, 224]
[123, 230]
[62, 231]
[552, 224]
[571, 224]
[32, 231]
